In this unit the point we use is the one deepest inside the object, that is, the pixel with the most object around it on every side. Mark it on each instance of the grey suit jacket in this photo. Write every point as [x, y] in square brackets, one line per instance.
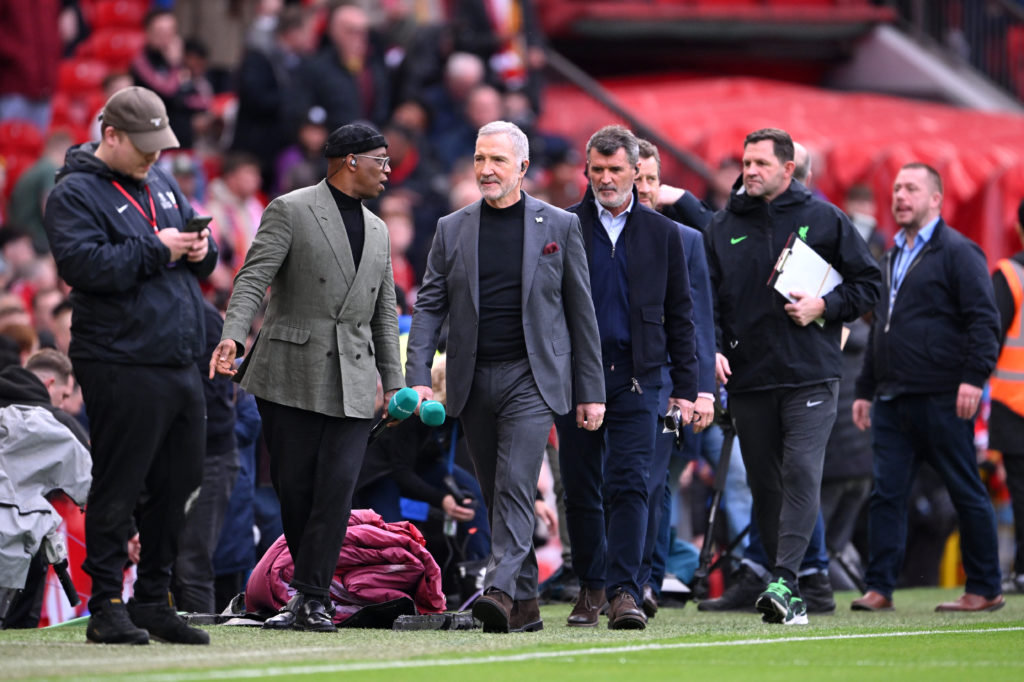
[559, 324]
[329, 328]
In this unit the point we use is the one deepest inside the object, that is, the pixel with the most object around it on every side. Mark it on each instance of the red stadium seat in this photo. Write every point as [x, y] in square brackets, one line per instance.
[20, 138]
[118, 14]
[116, 47]
[77, 75]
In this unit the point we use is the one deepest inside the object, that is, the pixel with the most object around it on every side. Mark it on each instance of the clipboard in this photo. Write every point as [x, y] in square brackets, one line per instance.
[799, 267]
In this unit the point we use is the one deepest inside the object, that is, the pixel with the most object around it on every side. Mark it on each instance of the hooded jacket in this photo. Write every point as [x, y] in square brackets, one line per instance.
[765, 348]
[130, 304]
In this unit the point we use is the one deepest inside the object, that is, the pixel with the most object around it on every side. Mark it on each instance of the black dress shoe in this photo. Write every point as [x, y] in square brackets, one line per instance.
[650, 602]
[285, 618]
[312, 617]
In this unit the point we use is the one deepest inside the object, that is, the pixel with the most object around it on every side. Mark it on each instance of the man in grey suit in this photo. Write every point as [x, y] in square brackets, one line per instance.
[330, 326]
[511, 273]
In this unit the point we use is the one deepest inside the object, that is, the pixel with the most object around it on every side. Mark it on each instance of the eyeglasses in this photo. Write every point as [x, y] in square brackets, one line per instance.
[382, 160]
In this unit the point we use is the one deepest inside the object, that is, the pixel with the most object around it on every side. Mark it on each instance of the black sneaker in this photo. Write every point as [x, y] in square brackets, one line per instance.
[741, 595]
[164, 623]
[1013, 584]
[109, 624]
[562, 586]
[816, 590]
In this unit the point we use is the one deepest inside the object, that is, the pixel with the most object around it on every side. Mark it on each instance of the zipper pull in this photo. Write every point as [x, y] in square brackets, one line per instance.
[613, 250]
[636, 386]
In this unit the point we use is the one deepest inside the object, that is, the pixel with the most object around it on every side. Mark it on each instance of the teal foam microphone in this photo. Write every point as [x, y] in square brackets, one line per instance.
[432, 413]
[402, 404]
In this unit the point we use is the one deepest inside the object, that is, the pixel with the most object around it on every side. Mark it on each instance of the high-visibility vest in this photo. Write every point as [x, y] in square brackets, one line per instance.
[1007, 382]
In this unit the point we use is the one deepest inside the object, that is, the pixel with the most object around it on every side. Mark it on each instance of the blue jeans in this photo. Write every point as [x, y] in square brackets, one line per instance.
[905, 431]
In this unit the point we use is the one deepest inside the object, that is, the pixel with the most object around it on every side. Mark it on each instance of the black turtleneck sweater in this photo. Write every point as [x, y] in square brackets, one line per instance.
[500, 334]
[352, 216]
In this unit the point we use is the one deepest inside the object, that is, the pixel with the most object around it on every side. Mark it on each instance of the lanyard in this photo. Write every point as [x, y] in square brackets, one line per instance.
[152, 209]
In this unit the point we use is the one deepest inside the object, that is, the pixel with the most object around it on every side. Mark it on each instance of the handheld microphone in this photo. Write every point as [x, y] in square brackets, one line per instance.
[402, 404]
[432, 413]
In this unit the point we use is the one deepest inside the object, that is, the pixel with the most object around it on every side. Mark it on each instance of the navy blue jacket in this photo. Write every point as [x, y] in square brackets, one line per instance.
[660, 305]
[944, 329]
[130, 305]
[703, 306]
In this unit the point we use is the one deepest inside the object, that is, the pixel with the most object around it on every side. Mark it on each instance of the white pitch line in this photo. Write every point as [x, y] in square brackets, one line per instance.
[279, 671]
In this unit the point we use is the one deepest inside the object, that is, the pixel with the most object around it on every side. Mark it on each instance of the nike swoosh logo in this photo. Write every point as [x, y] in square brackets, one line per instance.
[815, 403]
[120, 209]
[737, 240]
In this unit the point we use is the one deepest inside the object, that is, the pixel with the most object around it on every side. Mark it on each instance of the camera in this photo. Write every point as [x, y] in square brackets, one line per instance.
[673, 421]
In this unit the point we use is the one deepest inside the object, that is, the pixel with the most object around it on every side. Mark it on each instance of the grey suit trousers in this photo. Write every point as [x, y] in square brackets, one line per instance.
[506, 423]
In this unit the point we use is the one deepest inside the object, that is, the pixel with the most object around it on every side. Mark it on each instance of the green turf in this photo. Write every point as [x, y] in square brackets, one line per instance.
[680, 644]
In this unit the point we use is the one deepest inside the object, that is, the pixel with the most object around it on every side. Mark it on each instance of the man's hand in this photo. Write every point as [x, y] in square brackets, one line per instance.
[703, 413]
[223, 359]
[967, 399]
[426, 393]
[200, 247]
[667, 194]
[806, 309]
[180, 243]
[862, 414]
[547, 515]
[722, 369]
[685, 409]
[590, 416]
[134, 549]
[459, 512]
[387, 400]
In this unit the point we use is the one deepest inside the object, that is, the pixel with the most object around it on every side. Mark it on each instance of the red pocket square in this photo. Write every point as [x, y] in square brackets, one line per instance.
[550, 249]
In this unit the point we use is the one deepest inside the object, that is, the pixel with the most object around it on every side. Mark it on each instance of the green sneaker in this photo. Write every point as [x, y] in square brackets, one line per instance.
[778, 604]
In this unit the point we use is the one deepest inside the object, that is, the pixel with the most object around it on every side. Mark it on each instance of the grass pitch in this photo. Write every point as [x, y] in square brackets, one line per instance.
[911, 643]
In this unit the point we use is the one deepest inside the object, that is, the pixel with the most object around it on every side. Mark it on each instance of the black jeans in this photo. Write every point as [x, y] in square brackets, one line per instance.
[148, 431]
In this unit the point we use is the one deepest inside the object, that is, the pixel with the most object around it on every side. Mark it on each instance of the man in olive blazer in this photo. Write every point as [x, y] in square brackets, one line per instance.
[330, 327]
[511, 274]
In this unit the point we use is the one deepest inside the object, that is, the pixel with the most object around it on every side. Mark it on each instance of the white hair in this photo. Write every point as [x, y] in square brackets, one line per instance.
[520, 144]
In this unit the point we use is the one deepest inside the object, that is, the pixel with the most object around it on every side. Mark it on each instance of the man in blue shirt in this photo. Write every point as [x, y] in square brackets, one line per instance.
[934, 342]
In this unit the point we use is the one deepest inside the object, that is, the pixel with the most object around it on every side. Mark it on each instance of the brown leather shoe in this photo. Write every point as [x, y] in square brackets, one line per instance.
[588, 607]
[650, 602]
[623, 613]
[525, 616]
[973, 602]
[871, 601]
[492, 609]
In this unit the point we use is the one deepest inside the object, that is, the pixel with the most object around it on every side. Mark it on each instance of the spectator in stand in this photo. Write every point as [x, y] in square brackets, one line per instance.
[507, 36]
[272, 92]
[934, 342]
[160, 66]
[1006, 420]
[233, 201]
[115, 224]
[17, 256]
[62, 327]
[348, 78]
[396, 209]
[30, 50]
[28, 198]
[446, 101]
[302, 164]
[44, 303]
[414, 46]
[860, 205]
[482, 105]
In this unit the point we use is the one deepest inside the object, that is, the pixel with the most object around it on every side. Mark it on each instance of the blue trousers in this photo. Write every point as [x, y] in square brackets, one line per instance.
[605, 475]
[905, 431]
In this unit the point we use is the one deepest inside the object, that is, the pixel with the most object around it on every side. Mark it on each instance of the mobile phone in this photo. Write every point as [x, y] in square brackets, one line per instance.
[197, 223]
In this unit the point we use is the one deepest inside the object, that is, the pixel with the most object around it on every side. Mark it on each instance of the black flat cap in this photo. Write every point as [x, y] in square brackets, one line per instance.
[353, 138]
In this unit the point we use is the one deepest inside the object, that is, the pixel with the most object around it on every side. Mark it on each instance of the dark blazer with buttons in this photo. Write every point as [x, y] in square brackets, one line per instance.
[329, 328]
[559, 324]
